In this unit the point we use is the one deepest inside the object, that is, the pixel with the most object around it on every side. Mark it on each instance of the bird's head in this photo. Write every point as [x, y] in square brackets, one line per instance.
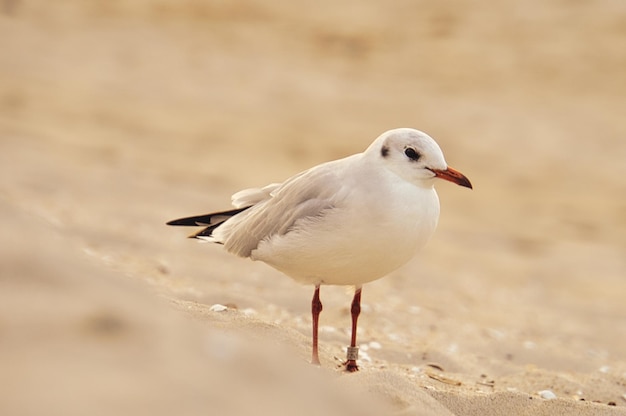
[414, 156]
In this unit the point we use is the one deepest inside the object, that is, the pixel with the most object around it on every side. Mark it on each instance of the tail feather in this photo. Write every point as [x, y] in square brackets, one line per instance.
[209, 221]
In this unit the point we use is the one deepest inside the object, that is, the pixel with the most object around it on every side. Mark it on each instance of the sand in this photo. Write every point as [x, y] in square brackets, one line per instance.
[118, 116]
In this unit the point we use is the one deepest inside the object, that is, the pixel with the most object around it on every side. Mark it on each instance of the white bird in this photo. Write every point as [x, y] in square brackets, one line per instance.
[345, 222]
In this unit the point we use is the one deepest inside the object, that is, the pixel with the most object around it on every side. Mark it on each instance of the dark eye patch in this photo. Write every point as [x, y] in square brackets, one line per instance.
[412, 154]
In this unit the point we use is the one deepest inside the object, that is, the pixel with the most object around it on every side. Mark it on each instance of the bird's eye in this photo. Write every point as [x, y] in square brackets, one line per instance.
[412, 154]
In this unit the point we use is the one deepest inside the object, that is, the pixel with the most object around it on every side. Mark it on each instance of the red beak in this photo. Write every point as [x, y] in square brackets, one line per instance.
[453, 176]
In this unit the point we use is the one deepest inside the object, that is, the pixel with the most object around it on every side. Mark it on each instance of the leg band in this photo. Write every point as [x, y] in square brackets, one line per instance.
[353, 353]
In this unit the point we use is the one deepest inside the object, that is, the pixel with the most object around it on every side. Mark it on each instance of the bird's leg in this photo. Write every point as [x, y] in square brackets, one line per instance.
[316, 308]
[353, 350]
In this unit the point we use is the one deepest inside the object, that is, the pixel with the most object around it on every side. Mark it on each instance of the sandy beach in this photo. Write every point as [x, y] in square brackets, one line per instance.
[116, 117]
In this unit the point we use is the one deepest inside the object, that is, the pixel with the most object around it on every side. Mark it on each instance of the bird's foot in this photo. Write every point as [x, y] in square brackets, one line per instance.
[351, 366]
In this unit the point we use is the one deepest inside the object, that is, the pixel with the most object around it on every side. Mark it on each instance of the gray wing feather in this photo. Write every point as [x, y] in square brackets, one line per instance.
[309, 194]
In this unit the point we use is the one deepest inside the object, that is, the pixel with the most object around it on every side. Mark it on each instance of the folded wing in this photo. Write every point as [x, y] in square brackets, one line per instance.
[275, 209]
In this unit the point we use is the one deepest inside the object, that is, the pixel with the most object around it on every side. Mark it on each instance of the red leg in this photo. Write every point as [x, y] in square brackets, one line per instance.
[316, 308]
[353, 350]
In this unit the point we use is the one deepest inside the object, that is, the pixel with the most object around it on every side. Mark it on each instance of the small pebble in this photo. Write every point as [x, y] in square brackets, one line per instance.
[394, 337]
[375, 345]
[547, 394]
[496, 334]
[218, 308]
[414, 310]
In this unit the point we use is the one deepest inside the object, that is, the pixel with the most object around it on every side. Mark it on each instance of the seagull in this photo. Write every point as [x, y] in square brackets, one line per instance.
[345, 222]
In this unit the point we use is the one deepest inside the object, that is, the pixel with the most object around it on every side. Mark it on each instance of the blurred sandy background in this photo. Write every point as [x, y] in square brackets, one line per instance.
[116, 116]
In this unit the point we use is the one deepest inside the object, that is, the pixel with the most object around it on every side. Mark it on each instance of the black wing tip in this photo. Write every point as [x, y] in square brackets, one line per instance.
[200, 221]
[205, 220]
[181, 221]
[206, 232]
